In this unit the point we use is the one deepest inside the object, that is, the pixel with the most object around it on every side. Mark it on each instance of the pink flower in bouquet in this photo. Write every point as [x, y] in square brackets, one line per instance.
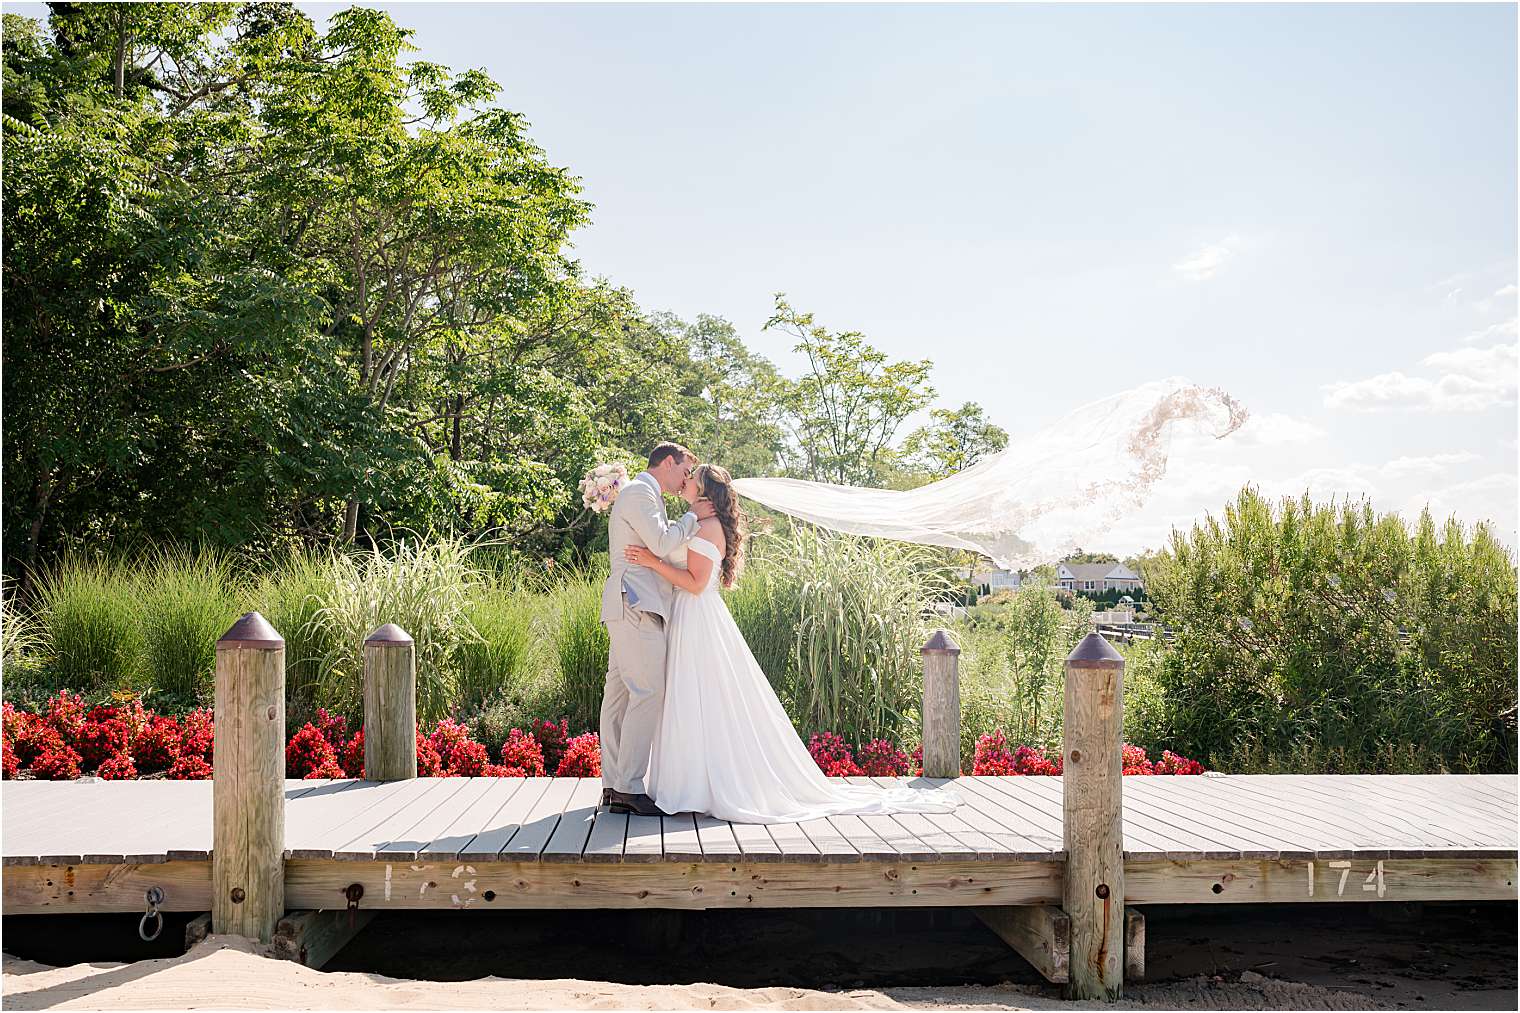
[600, 487]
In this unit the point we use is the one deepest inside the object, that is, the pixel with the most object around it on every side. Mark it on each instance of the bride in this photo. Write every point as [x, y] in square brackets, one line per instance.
[725, 746]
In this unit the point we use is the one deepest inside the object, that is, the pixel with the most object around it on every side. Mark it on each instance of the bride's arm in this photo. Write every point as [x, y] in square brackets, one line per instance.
[693, 579]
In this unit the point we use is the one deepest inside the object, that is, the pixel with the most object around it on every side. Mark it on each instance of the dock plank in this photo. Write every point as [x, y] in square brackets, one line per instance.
[542, 820]
[681, 841]
[608, 833]
[645, 840]
[474, 819]
[397, 825]
[511, 815]
[568, 842]
[756, 842]
[409, 845]
[718, 841]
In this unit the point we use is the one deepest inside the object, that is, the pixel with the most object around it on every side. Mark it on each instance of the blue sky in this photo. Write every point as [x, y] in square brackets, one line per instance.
[1313, 207]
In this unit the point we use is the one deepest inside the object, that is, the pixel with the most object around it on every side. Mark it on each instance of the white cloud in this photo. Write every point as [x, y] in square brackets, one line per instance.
[1507, 290]
[1276, 429]
[1493, 332]
[1401, 467]
[1489, 498]
[1471, 380]
[1203, 264]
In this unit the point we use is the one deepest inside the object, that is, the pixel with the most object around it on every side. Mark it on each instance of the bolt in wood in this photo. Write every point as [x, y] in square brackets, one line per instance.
[1092, 796]
[248, 781]
[390, 705]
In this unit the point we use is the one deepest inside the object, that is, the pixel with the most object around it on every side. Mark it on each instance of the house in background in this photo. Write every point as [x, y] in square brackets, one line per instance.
[1096, 578]
[992, 581]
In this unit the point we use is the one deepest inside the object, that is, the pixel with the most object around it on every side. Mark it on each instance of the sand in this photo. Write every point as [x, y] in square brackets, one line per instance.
[228, 972]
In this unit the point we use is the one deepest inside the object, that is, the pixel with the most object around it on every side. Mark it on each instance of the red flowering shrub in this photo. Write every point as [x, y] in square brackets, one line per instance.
[1135, 761]
[309, 751]
[467, 759]
[190, 767]
[100, 738]
[327, 768]
[9, 765]
[198, 734]
[881, 758]
[132, 713]
[1171, 763]
[351, 756]
[428, 762]
[832, 755]
[1032, 761]
[918, 760]
[992, 757]
[118, 767]
[553, 739]
[57, 764]
[582, 757]
[447, 734]
[66, 713]
[334, 728]
[30, 737]
[522, 751]
[157, 745]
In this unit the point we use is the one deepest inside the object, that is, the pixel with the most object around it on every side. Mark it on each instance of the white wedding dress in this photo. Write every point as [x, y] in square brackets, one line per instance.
[725, 745]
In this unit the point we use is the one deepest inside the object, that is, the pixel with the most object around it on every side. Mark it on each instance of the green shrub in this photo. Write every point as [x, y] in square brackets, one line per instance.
[22, 639]
[495, 657]
[422, 586]
[768, 619]
[92, 639]
[581, 645]
[1330, 637]
[291, 596]
[863, 611]
[187, 601]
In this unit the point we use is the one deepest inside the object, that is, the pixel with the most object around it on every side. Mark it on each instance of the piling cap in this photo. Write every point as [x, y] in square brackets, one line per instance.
[1094, 652]
[941, 643]
[390, 633]
[251, 632]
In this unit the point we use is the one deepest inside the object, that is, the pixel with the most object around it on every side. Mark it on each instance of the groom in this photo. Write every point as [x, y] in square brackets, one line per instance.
[635, 608]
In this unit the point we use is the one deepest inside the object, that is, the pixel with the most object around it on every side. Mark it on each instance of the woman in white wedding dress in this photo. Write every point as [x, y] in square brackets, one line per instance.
[725, 745]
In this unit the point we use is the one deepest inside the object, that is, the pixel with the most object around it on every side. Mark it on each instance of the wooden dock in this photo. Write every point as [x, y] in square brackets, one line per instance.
[481, 843]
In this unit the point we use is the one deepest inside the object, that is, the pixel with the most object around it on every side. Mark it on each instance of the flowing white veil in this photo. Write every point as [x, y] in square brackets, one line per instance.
[1038, 499]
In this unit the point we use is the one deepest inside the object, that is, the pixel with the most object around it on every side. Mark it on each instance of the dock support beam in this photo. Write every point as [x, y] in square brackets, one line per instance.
[942, 706]
[390, 705]
[312, 938]
[248, 781]
[1092, 794]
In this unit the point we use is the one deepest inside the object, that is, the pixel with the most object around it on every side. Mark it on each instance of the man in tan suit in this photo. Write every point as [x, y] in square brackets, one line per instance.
[635, 608]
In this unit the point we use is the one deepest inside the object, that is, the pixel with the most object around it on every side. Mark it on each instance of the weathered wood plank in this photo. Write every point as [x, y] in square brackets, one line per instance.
[399, 824]
[312, 938]
[718, 841]
[863, 839]
[689, 885]
[1039, 934]
[755, 842]
[795, 845]
[1298, 882]
[831, 844]
[608, 833]
[568, 841]
[355, 840]
[486, 845]
[1024, 839]
[421, 834]
[1134, 944]
[83, 889]
[477, 816]
[681, 841]
[324, 815]
[645, 841]
[540, 823]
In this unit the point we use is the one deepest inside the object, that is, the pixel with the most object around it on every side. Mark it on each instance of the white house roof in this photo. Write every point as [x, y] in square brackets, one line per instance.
[1096, 571]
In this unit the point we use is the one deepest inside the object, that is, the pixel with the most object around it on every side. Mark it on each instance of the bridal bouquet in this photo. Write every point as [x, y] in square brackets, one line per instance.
[601, 486]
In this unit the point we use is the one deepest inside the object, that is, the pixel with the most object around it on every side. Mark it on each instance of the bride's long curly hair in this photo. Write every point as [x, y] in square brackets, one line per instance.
[717, 485]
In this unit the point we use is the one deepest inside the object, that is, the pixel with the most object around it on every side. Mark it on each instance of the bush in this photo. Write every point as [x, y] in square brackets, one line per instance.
[494, 657]
[92, 630]
[291, 598]
[423, 587]
[1324, 637]
[580, 641]
[187, 602]
[862, 608]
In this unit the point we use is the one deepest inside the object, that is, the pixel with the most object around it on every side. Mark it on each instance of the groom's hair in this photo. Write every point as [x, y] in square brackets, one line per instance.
[658, 455]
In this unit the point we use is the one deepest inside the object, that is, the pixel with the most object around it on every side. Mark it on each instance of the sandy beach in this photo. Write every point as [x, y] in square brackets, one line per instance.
[1453, 958]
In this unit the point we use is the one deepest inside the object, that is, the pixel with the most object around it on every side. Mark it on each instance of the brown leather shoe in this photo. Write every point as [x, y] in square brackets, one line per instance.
[639, 805]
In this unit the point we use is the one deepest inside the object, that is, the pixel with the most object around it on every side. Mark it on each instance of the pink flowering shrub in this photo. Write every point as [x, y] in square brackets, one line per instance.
[882, 758]
[157, 746]
[832, 755]
[307, 751]
[522, 752]
[351, 756]
[553, 739]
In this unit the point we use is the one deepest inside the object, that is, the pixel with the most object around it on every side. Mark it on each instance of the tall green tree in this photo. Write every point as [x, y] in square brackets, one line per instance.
[844, 411]
[954, 440]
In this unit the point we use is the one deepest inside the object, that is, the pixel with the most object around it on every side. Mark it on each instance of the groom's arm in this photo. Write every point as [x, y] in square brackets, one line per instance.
[648, 518]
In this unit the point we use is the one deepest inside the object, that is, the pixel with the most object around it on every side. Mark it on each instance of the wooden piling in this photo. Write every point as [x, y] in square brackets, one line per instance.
[390, 705]
[942, 706]
[1092, 783]
[248, 781]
